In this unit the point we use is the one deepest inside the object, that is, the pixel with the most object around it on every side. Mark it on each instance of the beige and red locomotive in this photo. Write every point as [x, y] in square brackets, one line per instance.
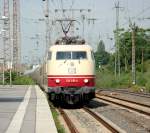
[71, 71]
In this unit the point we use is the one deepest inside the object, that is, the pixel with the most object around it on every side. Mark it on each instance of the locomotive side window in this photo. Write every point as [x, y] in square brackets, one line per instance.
[49, 55]
[79, 55]
[92, 55]
[63, 55]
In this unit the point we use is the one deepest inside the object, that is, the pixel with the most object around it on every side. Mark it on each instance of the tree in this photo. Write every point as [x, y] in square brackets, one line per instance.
[101, 47]
[101, 56]
[141, 45]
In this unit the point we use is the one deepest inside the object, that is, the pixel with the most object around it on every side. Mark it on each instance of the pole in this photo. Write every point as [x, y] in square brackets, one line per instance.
[133, 55]
[10, 79]
[115, 64]
[47, 27]
[117, 60]
[47, 23]
[3, 72]
[10, 73]
[83, 18]
[142, 62]
[125, 62]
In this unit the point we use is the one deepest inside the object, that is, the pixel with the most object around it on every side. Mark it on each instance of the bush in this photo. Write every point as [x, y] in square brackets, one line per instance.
[141, 80]
[135, 88]
[23, 80]
[106, 79]
[103, 79]
[148, 86]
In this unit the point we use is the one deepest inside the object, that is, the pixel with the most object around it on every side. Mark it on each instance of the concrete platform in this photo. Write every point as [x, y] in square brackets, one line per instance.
[24, 109]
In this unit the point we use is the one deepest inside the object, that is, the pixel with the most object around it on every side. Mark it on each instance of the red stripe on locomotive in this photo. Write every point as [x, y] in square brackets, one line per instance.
[71, 80]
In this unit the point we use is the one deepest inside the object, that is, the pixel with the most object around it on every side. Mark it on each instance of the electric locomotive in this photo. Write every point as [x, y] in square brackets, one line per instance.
[70, 71]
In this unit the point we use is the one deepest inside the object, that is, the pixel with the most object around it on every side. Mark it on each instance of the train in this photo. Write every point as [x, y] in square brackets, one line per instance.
[68, 73]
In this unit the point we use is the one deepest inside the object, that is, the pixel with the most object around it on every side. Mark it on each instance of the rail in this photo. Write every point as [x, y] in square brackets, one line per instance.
[101, 120]
[105, 98]
[69, 123]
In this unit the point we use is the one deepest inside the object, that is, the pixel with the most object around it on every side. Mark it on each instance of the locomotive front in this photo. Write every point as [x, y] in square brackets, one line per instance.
[71, 73]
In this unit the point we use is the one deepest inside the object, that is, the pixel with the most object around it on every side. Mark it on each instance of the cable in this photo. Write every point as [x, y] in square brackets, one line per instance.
[140, 13]
[72, 4]
[62, 7]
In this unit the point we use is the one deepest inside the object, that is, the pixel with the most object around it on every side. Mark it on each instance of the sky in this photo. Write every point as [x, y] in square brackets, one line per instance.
[33, 30]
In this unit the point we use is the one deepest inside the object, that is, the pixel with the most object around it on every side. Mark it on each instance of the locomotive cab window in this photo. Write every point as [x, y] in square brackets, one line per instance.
[74, 55]
[79, 55]
[63, 55]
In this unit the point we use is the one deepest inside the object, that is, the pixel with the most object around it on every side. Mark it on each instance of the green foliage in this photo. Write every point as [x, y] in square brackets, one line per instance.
[7, 77]
[101, 56]
[23, 80]
[141, 45]
[55, 114]
[141, 80]
[17, 79]
[105, 78]
[60, 128]
[148, 86]
[135, 88]
[105, 74]
[101, 47]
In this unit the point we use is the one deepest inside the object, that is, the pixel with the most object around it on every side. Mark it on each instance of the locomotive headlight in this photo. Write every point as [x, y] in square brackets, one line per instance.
[86, 80]
[57, 80]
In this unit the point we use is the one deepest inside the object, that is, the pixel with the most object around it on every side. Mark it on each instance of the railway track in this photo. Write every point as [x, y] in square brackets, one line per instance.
[101, 120]
[138, 107]
[141, 104]
[68, 121]
[146, 95]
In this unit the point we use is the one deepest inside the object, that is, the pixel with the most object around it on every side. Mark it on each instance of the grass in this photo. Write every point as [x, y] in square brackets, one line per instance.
[60, 128]
[23, 80]
[106, 79]
[55, 114]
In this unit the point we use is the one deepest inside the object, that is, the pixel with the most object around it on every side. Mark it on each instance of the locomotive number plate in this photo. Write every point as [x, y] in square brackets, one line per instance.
[71, 70]
[71, 80]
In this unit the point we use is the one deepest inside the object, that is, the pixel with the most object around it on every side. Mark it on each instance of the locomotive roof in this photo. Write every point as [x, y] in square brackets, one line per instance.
[73, 40]
[70, 47]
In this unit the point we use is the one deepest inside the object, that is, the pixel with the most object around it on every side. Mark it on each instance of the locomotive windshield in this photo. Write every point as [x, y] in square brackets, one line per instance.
[79, 55]
[75, 55]
[63, 55]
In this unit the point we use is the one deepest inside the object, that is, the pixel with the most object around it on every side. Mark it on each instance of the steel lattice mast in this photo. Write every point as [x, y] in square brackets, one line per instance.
[47, 27]
[16, 35]
[6, 37]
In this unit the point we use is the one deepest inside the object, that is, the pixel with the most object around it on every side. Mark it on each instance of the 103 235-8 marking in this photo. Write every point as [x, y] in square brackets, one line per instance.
[72, 80]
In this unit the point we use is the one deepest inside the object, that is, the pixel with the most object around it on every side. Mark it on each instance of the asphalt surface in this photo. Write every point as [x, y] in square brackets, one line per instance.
[10, 99]
[25, 109]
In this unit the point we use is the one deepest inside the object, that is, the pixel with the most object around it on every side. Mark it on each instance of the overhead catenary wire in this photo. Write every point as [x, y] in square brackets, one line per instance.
[136, 16]
[62, 7]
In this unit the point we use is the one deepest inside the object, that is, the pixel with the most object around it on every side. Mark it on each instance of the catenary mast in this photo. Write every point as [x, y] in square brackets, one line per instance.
[6, 37]
[16, 36]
